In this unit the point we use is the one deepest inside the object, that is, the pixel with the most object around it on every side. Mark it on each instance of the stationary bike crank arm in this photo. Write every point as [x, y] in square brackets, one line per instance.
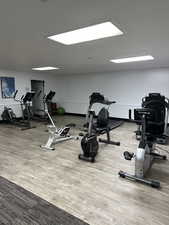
[152, 183]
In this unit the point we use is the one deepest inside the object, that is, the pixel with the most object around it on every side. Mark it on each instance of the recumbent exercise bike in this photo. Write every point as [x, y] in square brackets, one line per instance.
[102, 125]
[162, 102]
[152, 125]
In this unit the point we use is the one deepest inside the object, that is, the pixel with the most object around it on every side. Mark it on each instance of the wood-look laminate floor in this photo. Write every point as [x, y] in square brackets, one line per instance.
[92, 192]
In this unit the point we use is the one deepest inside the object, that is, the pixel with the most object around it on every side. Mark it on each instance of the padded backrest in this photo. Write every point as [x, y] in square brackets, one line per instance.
[156, 102]
[103, 118]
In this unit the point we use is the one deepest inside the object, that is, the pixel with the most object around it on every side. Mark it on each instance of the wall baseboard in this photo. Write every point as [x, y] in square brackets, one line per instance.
[112, 118]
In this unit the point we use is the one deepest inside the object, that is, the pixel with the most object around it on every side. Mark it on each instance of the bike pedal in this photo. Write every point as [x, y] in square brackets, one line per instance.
[128, 155]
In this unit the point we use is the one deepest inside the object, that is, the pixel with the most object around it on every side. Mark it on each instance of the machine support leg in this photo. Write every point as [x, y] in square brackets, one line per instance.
[152, 183]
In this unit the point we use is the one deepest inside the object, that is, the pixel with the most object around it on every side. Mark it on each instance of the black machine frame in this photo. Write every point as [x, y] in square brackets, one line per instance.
[89, 142]
[153, 101]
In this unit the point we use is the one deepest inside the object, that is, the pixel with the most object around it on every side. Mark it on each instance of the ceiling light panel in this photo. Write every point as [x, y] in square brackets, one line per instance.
[133, 59]
[45, 68]
[90, 33]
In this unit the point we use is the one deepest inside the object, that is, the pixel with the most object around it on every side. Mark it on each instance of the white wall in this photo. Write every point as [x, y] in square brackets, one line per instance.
[127, 88]
[72, 91]
[23, 84]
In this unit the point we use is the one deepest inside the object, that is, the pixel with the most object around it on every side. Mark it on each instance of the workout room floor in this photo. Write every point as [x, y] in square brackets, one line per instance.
[92, 192]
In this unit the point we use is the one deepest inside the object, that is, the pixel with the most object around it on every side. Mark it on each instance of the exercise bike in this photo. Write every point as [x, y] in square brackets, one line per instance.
[90, 142]
[152, 126]
[56, 135]
[161, 102]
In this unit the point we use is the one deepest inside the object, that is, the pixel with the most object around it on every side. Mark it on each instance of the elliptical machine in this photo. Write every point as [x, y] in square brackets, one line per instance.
[163, 103]
[40, 114]
[152, 126]
[102, 125]
[25, 102]
[56, 135]
[8, 114]
[25, 122]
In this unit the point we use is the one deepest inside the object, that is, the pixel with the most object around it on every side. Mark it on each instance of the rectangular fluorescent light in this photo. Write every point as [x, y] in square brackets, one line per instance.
[45, 68]
[90, 33]
[133, 59]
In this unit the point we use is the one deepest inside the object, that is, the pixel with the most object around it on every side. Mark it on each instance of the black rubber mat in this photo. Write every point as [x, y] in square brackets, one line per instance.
[113, 124]
[21, 207]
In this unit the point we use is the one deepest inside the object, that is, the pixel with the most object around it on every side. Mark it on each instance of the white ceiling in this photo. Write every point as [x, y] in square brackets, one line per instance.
[25, 24]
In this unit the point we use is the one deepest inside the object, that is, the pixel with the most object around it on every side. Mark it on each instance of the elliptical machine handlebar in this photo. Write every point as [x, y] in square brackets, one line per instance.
[44, 97]
[48, 97]
[14, 96]
[37, 94]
